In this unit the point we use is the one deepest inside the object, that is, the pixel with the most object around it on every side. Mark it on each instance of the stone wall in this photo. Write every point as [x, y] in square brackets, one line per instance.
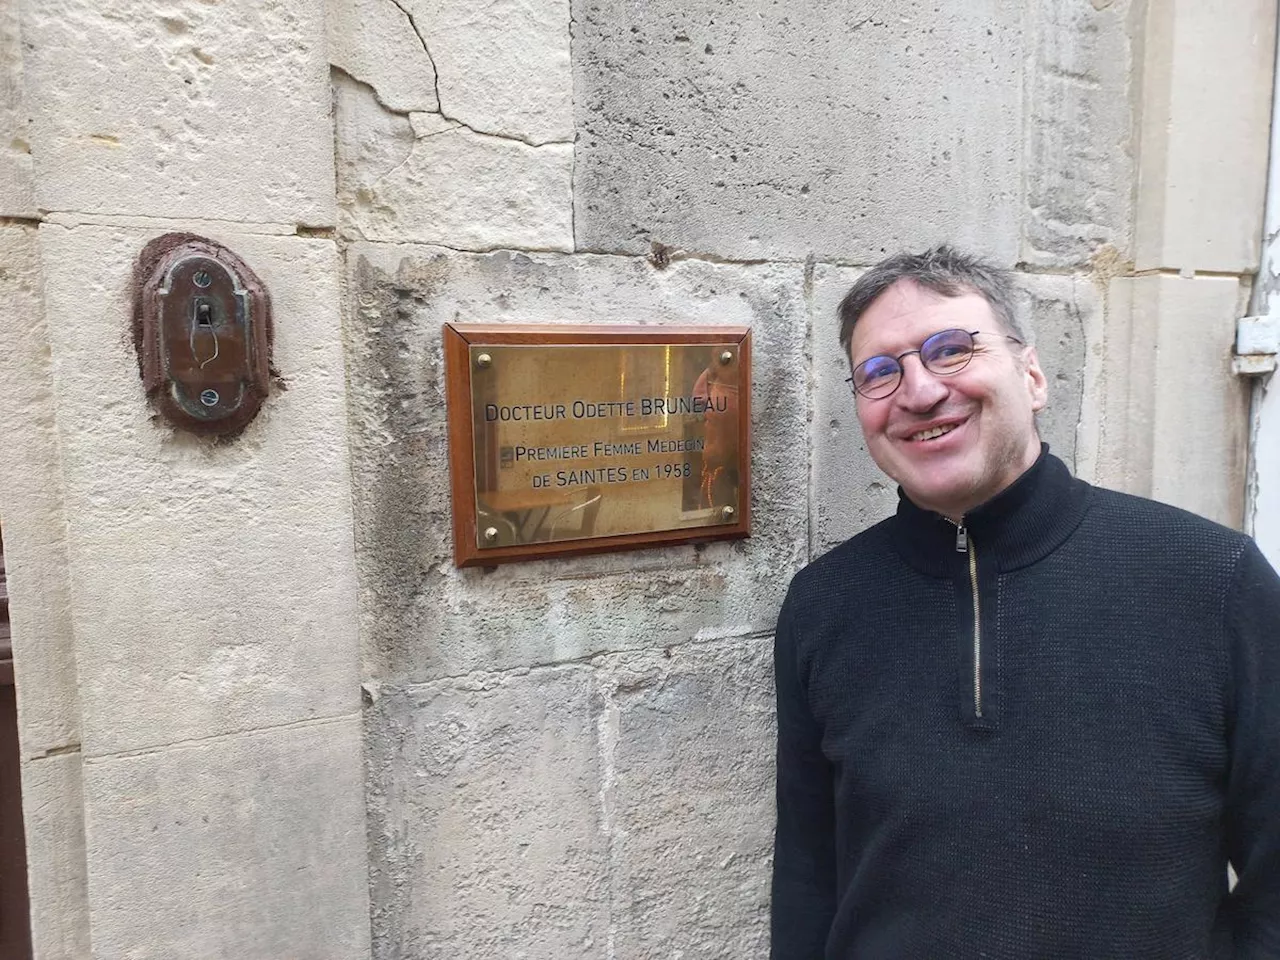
[184, 612]
[574, 757]
[567, 758]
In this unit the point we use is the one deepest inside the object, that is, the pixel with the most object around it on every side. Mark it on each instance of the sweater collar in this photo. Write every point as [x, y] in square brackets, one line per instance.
[1016, 527]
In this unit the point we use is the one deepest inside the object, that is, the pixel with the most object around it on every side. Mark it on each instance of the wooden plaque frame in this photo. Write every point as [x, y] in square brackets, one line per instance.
[457, 341]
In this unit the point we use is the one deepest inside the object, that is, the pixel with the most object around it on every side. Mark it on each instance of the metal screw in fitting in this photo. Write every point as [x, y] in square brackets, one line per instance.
[726, 357]
[483, 360]
[727, 512]
[491, 534]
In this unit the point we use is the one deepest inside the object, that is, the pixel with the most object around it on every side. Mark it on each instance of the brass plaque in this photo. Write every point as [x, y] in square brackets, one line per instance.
[586, 445]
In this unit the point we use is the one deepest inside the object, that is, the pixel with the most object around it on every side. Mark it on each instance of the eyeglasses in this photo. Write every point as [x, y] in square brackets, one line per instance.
[944, 353]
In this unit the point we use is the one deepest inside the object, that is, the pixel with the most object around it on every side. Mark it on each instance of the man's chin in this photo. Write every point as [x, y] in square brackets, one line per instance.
[945, 496]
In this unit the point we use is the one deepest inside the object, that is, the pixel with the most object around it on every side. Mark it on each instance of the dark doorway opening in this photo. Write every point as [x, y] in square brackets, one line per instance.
[15, 911]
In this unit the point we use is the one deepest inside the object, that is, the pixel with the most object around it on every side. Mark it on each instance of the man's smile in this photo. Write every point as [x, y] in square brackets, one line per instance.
[932, 431]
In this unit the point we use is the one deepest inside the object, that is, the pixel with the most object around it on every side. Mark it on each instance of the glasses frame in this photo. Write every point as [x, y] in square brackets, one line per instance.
[901, 370]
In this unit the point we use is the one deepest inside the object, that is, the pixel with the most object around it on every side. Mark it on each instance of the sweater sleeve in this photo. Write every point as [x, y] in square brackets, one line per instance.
[804, 874]
[1253, 787]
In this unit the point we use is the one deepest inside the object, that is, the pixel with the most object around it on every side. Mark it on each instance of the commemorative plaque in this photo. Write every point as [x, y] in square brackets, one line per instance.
[571, 439]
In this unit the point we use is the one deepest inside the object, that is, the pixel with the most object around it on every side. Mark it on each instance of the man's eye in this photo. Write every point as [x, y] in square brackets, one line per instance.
[946, 355]
[879, 368]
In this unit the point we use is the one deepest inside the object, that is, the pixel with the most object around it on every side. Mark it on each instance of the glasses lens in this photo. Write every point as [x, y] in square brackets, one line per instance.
[877, 377]
[947, 352]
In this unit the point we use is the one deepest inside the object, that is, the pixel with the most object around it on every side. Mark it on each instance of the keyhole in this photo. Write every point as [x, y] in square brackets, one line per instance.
[204, 313]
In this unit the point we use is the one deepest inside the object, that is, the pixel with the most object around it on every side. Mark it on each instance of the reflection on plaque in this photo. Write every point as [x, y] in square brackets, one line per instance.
[584, 444]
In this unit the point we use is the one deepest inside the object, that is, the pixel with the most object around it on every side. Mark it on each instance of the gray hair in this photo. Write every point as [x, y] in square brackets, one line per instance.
[942, 269]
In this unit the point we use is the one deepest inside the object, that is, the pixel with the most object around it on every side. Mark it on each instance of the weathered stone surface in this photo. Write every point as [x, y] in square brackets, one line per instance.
[17, 182]
[1081, 129]
[688, 741]
[225, 116]
[242, 846]
[776, 131]
[1207, 92]
[53, 818]
[422, 618]
[1056, 311]
[485, 819]
[424, 179]
[375, 42]
[215, 585]
[496, 84]
[1173, 420]
[849, 491]
[34, 526]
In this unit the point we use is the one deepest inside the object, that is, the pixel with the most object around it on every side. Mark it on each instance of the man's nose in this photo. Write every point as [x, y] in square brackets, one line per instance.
[920, 390]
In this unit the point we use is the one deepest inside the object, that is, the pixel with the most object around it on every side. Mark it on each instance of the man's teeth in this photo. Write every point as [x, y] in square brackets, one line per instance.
[933, 432]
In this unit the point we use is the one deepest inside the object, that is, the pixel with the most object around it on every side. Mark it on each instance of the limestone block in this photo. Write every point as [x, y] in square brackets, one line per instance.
[428, 180]
[421, 617]
[1081, 77]
[1207, 90]
[778, 131]
[1175, 421]
[53, 818]
[40, 591]
[375, 42]
[223, 115]
[485, 821]
[17, 182]
[1057, 312]
[214, 581]
[849, 491]
[31, 506]
[490, 80]
[245, 846]
[688, 741]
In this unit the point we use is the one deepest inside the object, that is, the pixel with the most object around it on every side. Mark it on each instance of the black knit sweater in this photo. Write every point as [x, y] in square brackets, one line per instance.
[1077, 792]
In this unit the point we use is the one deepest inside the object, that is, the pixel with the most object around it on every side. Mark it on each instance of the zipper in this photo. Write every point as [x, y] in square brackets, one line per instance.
[964, 544]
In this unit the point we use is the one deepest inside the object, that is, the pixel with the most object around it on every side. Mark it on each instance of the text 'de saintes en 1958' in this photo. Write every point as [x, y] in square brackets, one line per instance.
[585, 443]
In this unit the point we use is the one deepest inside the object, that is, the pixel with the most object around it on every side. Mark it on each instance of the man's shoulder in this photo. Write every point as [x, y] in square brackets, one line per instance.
[1126, 536]
[864, 554]
[1142, 521]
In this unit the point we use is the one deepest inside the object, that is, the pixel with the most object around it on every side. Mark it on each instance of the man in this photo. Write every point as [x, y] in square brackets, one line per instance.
[1024, 718]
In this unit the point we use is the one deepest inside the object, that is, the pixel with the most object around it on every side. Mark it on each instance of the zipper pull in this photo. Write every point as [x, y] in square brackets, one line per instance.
[962, 538]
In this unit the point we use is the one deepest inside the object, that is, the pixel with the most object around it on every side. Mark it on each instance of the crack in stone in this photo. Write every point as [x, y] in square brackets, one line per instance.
[413, 24]
[811, 524]
[479, 251]
[62, 751]
[435, 73]
[676, 255]
[75, 219]
[573, 161]
[457, 124]
[438, 133]
[216, 738]
[408, 155]
[592, 662]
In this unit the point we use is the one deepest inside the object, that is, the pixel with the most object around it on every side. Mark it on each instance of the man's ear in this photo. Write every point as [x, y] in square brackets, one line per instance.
[1037, 383]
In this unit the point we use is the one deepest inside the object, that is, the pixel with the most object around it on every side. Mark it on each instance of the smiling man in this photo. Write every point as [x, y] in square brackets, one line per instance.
[1023, 717]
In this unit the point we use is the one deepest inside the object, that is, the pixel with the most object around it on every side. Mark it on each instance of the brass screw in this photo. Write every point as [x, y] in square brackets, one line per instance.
[726, 357]
[491, 534]
[483, 361]
[727, 512]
